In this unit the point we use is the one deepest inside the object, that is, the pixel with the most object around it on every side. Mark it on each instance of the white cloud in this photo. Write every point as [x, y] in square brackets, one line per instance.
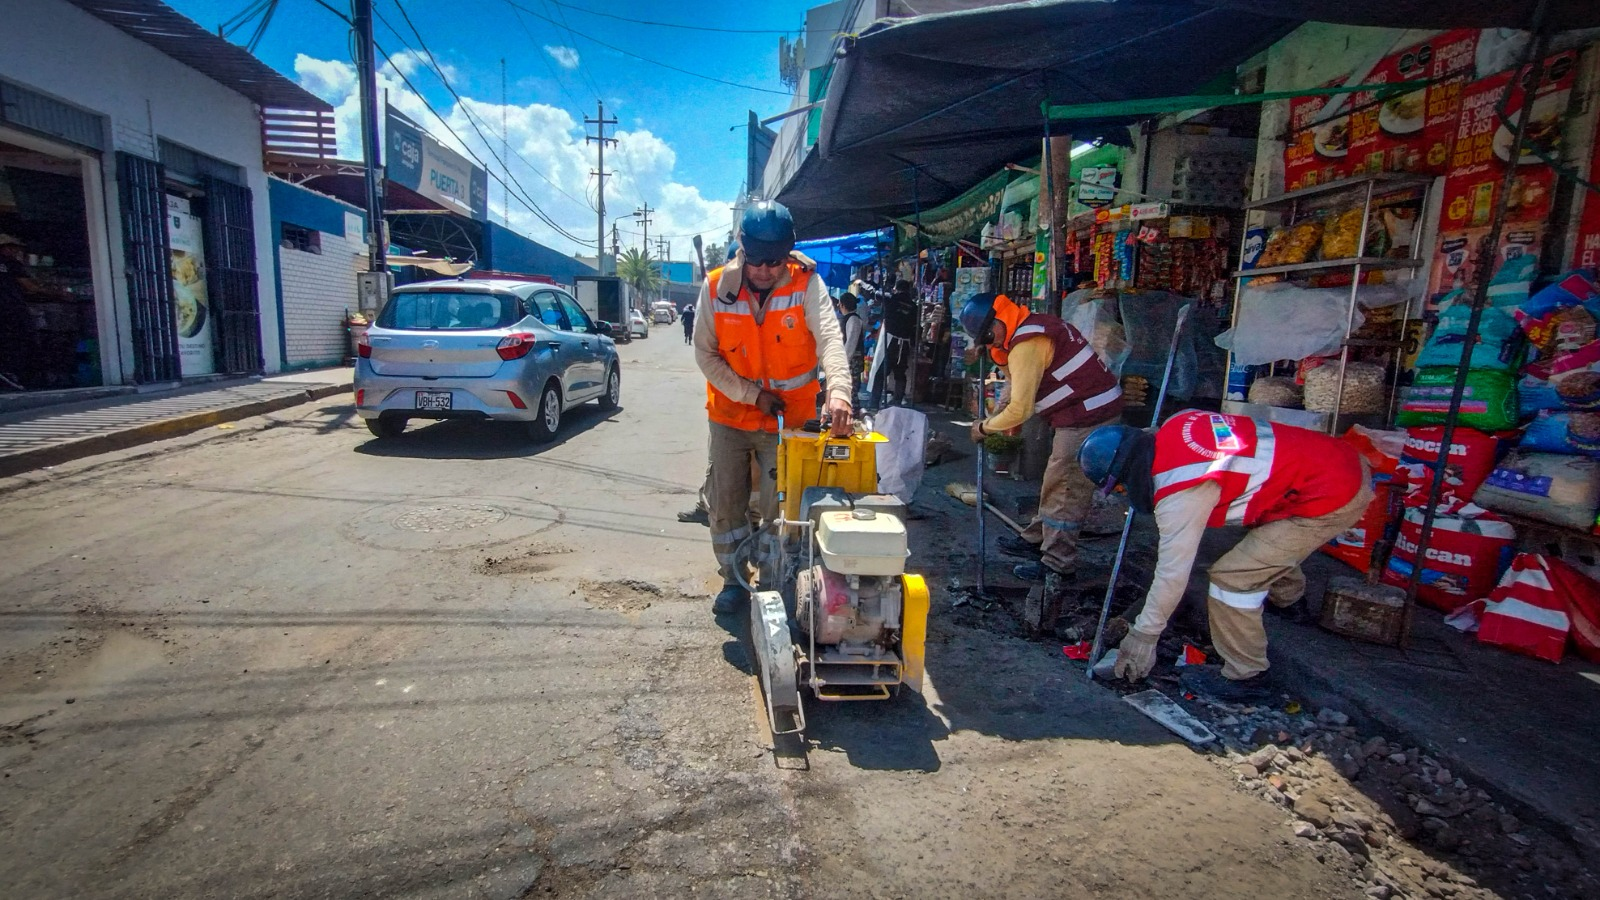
[544, 141]
[566, 57]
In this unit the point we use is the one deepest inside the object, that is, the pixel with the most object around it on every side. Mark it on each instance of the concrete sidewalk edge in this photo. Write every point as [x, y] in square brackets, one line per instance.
[28, 460]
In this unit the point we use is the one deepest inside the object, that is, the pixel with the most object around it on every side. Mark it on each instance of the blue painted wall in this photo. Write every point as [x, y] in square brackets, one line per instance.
[506, 251]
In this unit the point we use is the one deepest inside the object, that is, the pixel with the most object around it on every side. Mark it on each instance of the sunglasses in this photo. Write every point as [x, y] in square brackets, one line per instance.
[765, 263]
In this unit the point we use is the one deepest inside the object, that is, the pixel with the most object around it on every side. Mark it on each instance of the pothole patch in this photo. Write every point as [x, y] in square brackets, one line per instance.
[627, 595]
[452, 523]
[448, 517]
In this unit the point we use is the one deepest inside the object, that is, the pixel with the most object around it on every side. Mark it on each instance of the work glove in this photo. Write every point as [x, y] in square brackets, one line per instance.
[770, 403]
[1136, 655]
[976, 434]
[838, 415]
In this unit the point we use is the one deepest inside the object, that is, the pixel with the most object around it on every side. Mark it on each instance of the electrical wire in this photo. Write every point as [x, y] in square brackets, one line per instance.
[654, 62]
[519, 193]
[438, 70]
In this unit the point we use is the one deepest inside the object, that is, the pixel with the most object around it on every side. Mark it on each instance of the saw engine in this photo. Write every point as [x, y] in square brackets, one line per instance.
[859, 619]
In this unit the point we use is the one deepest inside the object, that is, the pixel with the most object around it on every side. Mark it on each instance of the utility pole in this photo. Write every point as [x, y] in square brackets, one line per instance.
[505, 150]
[644, 218]
[616, 241]
[368, 74]
[600, 121]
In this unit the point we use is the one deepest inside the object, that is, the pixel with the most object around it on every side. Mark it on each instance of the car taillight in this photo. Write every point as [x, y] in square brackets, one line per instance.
[361, 396]
[363, 347]
[516, 401]
[515, 346]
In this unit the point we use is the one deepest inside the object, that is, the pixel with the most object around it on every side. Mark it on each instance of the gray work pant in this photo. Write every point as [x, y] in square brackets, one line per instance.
[737, 458]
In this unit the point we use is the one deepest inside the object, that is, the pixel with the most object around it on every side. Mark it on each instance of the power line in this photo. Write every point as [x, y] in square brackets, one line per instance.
[472, 120]
[519, 194]
[654, 62]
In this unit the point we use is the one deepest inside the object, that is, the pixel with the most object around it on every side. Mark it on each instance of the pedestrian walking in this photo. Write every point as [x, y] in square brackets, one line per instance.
[1053, 373]
[765, 325]
[895, 342]
[1295, 489]
[688, 324]
[851, 325]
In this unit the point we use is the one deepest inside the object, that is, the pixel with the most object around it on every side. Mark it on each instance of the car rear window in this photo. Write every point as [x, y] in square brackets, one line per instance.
[449, 311]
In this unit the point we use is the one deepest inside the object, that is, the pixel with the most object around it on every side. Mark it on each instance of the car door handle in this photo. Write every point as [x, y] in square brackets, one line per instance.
[585, 344]
[553, 345]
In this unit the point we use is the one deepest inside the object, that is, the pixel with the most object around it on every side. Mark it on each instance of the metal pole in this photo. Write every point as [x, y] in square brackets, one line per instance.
[909, 396]
[983, 463]
[367, 73]
[600, 121]
[1172, 355]
[1480, 296]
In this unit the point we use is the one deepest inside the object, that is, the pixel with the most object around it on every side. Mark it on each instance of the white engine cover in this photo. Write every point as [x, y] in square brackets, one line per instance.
[862, 542]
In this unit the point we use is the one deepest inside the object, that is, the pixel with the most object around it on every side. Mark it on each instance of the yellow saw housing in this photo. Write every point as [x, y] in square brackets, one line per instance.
[809, 460]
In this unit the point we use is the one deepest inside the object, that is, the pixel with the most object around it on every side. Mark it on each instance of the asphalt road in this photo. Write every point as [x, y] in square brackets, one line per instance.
[284, 660]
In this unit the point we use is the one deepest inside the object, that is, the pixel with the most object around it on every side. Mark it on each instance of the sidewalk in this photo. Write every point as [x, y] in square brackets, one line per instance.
[1524, 728]
[47, 436]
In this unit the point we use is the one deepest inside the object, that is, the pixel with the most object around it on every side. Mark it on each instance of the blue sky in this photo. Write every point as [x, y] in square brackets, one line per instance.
[677, 152]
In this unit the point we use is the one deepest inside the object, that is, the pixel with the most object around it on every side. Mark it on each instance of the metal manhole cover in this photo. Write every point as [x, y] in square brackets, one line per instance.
[436, 519]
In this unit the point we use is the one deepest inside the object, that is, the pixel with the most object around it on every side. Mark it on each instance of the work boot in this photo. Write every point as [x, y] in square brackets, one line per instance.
[1298, 612]
[698, 514]
[1209, 681]
[1012, 545]
[731, 600]
[1032, 571]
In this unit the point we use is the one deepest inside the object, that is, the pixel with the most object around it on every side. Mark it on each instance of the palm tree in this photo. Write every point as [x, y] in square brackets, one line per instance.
[638, 269]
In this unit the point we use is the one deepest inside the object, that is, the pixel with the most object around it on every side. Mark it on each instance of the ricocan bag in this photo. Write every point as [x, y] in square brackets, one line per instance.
[1468, 549]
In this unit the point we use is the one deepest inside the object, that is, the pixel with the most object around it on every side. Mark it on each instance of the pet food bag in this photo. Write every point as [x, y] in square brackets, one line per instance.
[1537, 316]
[1489, 403]
[1561, 431]
[1499, 344]
[1568, 380]
[1469, 462]
[1381, 451]
[1549, 487]
[1468, 548]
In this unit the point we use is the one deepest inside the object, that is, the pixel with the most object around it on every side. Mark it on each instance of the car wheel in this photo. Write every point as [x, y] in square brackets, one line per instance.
[612, 398]
[544, 428]
[389, 427]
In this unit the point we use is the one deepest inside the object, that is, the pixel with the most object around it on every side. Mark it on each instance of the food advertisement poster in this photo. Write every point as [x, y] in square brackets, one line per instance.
[1316, 152]
[1586, 251]
[1482, 150]
[191, 306]
[1459, 260]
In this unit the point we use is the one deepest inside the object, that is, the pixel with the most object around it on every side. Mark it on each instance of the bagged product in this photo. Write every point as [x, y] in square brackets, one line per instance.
[1498, 342]
[1275, 390]
[1341, 234]
[1583, 609]
[1364, 388]
[1526, 613]
[1489, 403]
[1561, 490]
[1568, 380]
[1537, 316]
[1560, 431]
[1468, 548]
[1469, 462]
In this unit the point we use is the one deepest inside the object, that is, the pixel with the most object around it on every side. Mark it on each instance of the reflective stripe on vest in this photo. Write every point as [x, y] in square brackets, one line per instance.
[772, 347]
[1256, 467]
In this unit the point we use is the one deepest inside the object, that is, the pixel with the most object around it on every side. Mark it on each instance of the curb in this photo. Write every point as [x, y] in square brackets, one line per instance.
[161, 429]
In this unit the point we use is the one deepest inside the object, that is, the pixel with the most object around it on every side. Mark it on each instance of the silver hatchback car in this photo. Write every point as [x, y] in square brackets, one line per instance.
[490, 349]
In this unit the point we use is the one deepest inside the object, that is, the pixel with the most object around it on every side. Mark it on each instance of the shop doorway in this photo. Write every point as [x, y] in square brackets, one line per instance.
[49, 334]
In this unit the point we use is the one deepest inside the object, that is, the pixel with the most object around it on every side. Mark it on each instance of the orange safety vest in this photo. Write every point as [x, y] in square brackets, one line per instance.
[778, 353]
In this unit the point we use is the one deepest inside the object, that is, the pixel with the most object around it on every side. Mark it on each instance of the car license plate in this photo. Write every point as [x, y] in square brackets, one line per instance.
[435, 399]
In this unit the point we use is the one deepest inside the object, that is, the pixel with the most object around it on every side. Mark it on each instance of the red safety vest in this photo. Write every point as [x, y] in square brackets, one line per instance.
[1077, 390]
[778, 353]
[1267, 472]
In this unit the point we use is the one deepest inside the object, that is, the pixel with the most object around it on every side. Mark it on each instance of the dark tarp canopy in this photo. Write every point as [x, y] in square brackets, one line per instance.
[953, 97]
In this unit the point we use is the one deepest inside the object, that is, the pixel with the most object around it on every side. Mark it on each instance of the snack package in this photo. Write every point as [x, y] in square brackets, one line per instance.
[1549, 487]
[1342, 233]
[1302, 242]
[1537, 315]
[1563, 431]
[1488, 404]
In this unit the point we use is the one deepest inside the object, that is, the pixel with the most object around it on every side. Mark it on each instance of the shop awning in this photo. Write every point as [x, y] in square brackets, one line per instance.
[1560, 15]
[955, 96]
[179, 37]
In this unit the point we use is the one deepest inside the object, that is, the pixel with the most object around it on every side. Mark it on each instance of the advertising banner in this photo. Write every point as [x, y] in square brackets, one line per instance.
[1586, 251]
[1316, 152]
[191, 304]
[1482, 150]
[413, 159]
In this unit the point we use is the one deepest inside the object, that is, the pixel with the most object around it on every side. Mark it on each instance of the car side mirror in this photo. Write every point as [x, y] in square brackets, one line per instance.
[603, 328]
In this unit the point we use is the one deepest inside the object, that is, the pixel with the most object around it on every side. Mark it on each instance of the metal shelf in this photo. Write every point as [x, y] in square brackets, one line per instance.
[1385, 181]
[1365, 262]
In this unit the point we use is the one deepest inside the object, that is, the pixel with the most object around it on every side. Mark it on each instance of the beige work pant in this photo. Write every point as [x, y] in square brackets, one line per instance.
[737, 458]
[1064, 502]
[1266, 565]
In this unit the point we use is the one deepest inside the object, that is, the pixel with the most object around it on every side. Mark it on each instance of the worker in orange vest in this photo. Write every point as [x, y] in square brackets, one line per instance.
[763, 327]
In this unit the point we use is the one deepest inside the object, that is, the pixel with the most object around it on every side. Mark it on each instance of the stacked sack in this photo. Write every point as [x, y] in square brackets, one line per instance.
[1554, 473]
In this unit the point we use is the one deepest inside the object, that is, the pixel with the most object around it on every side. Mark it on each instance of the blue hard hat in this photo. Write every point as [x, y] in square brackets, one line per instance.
[975, 316]
[766, 230]
[733, 249]
[1105, 452]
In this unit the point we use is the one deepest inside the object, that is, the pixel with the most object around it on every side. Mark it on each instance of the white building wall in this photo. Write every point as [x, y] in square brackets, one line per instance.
[318, 289]
[58, 49]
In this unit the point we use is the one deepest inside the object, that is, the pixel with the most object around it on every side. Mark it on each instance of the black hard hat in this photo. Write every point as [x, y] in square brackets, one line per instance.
[766, 231]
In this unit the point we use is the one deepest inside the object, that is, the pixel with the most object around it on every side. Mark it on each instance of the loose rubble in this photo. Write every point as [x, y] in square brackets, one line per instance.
[1402, 822]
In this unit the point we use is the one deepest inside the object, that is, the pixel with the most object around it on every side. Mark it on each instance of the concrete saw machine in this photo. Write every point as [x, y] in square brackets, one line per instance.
[834, 613]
